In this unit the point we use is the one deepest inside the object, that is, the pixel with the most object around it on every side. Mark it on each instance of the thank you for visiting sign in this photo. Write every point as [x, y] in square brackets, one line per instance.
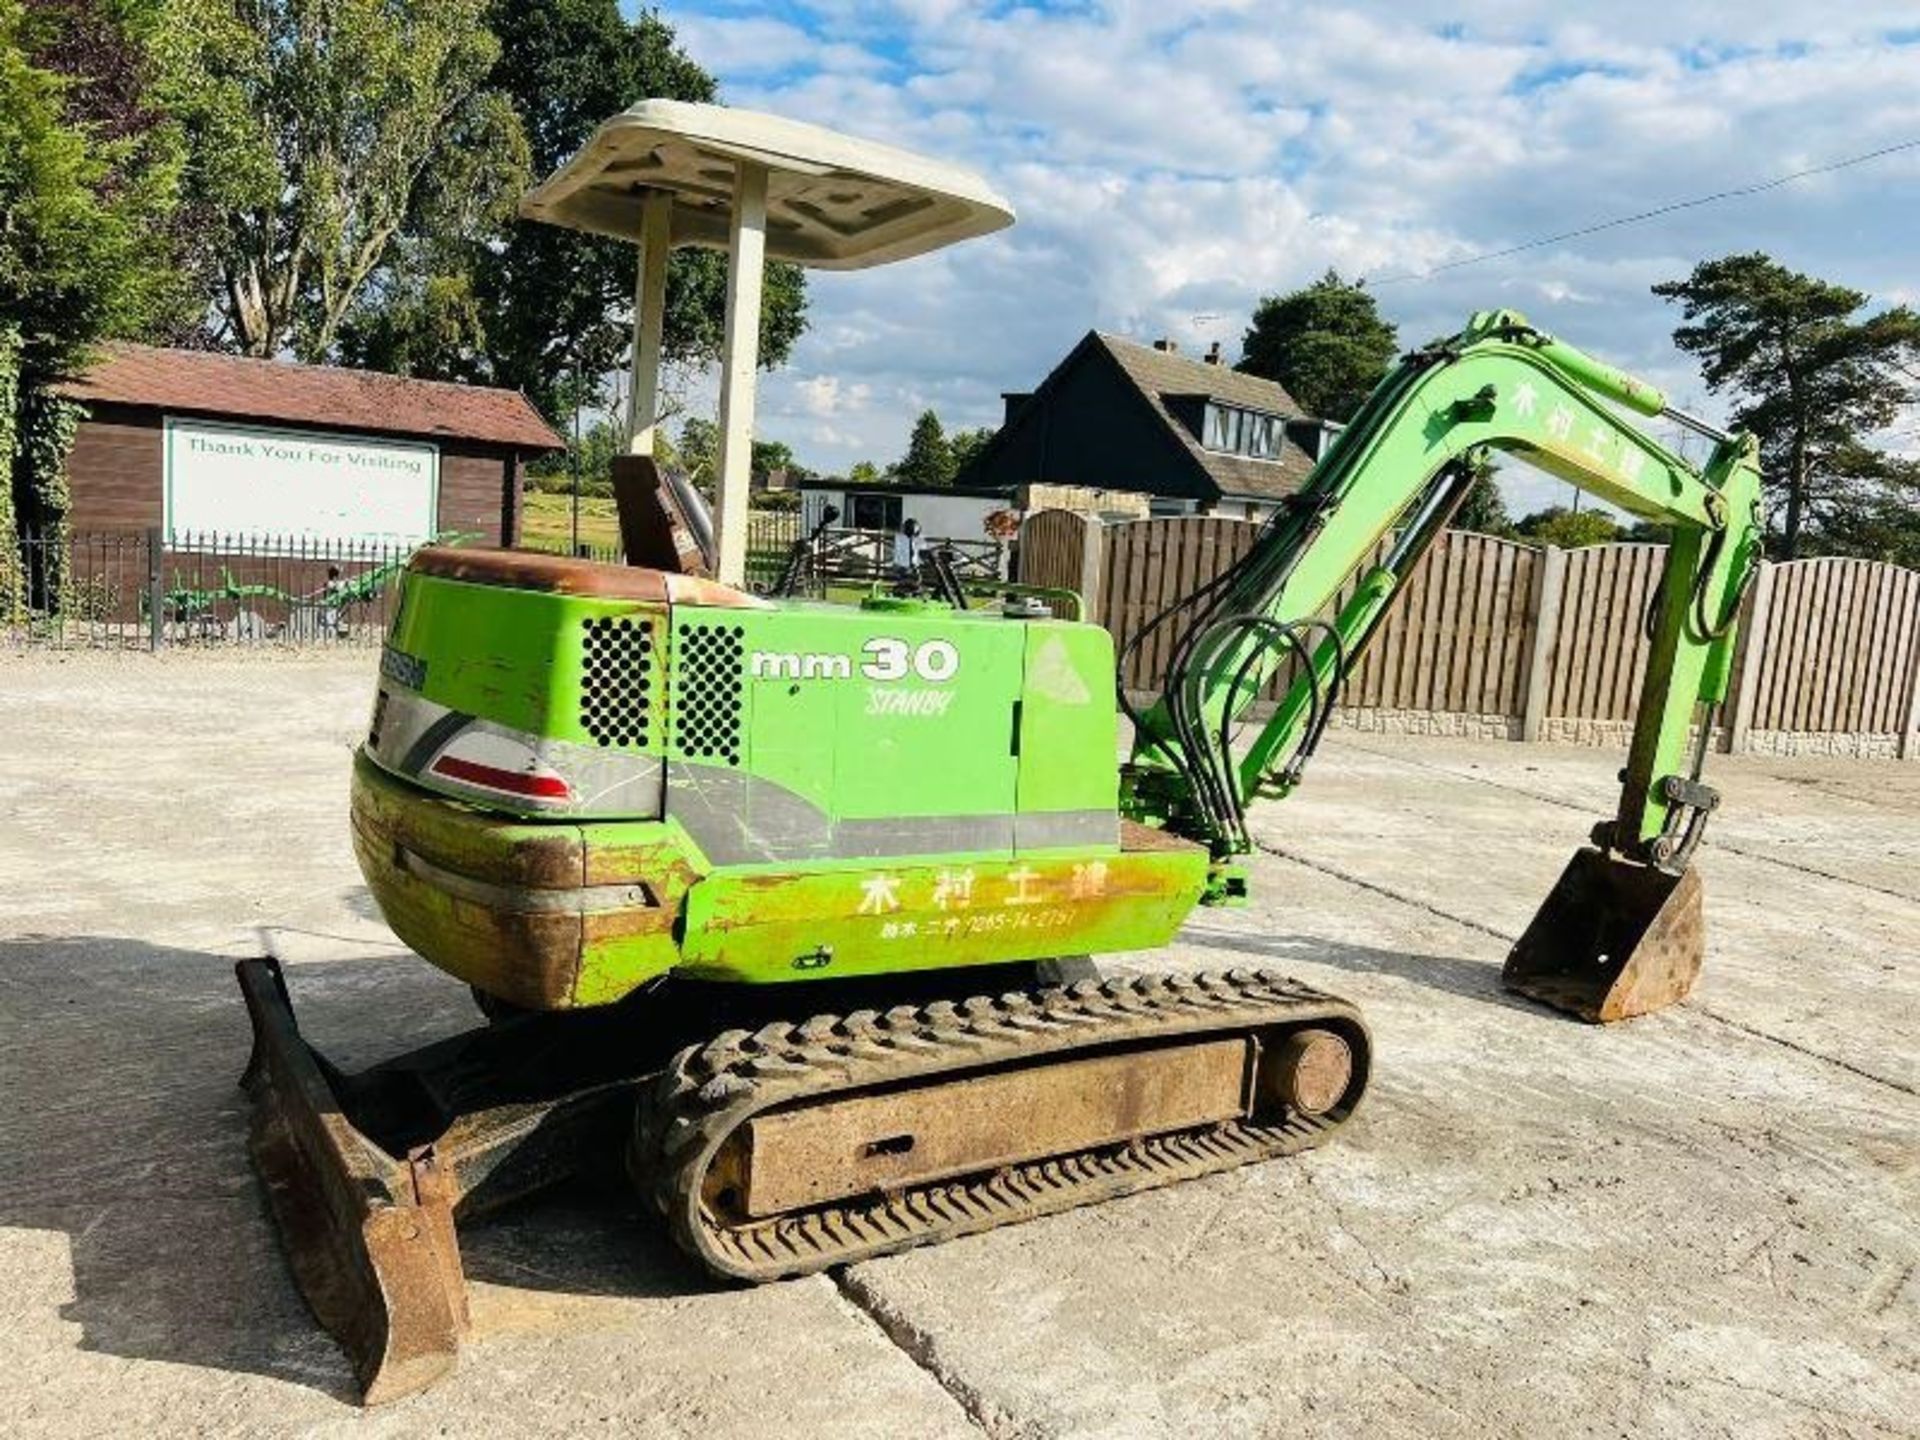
[231, 480]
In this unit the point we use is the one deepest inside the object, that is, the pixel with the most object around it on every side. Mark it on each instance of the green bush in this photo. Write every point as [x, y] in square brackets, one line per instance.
[559, 482]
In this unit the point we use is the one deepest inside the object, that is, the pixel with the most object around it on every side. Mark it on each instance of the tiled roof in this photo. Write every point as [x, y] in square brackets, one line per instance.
[1171, 373]
[1158, 374]
[320, 395]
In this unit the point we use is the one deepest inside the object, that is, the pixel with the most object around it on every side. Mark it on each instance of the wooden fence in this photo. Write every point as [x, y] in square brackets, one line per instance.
[1494, 637]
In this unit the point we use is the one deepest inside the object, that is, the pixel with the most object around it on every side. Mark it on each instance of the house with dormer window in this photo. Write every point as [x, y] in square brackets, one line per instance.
[1192, 434]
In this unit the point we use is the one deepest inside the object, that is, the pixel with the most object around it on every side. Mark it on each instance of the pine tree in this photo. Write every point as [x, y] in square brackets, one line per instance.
[928, 462]
[1815, 380]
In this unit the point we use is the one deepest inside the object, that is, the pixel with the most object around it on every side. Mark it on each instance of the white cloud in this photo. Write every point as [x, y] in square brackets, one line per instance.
[1171, 160]
[828, 395]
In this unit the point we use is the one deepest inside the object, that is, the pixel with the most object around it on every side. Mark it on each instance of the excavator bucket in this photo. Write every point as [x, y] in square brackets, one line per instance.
[1613, 939]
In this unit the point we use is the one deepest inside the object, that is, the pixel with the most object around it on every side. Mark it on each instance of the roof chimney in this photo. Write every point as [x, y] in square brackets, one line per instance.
[1166, 346]
[1213, 353]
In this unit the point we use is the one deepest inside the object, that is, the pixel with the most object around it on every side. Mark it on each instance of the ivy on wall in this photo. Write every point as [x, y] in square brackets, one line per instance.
[37, 427]
[10, 587]
[46, 428]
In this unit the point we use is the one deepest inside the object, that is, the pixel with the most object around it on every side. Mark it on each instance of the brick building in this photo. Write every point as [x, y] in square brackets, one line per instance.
[198, 443]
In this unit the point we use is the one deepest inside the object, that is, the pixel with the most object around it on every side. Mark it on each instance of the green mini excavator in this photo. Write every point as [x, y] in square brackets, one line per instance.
[657, 822]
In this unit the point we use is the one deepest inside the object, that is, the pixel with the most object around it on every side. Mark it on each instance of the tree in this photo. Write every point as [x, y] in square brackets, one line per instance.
[324, 130]
[1883, 522]
[864, 472]
[1484, 511]
[699, 449]
[1569, 529]
[929, 459]
[138, 253]
[425, 324]
[1326, 344]
[555, 303]
[89, 191]
[591, 459]
[1813, 379]
[965, 447]
[769, 456]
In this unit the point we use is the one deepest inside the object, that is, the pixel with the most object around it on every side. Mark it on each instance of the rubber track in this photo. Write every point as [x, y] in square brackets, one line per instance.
[710, 1090]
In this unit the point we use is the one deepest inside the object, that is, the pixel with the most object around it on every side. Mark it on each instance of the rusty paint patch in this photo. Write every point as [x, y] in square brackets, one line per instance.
[501, 852]
[460, 887]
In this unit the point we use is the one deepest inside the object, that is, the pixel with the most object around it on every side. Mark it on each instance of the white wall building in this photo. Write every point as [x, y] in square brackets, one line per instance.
[944, 513]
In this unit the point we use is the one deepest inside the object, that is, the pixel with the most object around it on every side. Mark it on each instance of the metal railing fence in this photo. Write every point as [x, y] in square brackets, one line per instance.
[143, 589]
[146, 590]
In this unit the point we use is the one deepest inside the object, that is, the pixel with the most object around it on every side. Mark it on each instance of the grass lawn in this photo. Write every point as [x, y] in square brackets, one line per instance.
[546, 522]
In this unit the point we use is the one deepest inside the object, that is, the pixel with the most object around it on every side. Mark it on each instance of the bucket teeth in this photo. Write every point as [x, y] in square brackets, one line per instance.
[1614, 938]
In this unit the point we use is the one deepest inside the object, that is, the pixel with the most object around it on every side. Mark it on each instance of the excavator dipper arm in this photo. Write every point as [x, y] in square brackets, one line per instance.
[1402, 467]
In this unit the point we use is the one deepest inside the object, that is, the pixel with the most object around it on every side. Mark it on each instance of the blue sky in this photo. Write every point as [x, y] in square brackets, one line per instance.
[1171, 160]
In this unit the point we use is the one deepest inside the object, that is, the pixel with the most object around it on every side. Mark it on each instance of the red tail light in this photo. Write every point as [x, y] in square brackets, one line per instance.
[510, 782]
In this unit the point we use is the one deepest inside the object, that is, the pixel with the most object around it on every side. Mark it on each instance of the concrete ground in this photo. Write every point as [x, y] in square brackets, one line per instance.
[1701, 1223]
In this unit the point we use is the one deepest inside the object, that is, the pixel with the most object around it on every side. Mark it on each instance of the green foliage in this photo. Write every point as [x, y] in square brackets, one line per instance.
[1326, 344]
[1883, 521]
[47, 422]
[337, 178]
[929, 458]
[424, 325]
[699, 449]
[10, 578]
[47, 425]
[1569, 529]
[697, 307]
[965, 447]
[591, 459]
[556, 303]
[593, 456]
[864, 472]
[1814, 380]
[769, 456]
[89, 183]
[322, 130]
[1484, 511]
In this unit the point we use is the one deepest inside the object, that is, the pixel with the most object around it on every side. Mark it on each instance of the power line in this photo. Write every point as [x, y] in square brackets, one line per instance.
[1758, 187]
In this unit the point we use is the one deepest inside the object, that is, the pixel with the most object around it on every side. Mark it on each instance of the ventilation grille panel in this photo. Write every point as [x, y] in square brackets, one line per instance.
[616, 704]
[706, 692]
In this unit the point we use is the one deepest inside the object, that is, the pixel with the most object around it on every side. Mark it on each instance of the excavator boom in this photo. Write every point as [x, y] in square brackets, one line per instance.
[1401, 469]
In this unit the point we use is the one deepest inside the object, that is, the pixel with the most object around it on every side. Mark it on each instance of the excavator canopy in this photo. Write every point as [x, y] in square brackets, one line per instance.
[834, 202]
[666, 173]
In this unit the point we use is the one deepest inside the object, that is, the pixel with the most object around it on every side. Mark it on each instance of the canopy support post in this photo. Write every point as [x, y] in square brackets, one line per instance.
[739, 367]
[649, 318]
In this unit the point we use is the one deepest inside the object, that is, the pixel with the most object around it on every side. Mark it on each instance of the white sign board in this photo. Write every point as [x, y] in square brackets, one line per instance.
[286, 484]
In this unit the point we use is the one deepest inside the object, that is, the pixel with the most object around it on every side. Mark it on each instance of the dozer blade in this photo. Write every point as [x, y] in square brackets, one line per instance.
[369, 1174]
[803, 1146]
[1613, 939]
[370, 1239]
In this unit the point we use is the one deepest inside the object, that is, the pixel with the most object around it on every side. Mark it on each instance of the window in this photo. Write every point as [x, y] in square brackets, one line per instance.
[1234, 431]
[871, 512]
